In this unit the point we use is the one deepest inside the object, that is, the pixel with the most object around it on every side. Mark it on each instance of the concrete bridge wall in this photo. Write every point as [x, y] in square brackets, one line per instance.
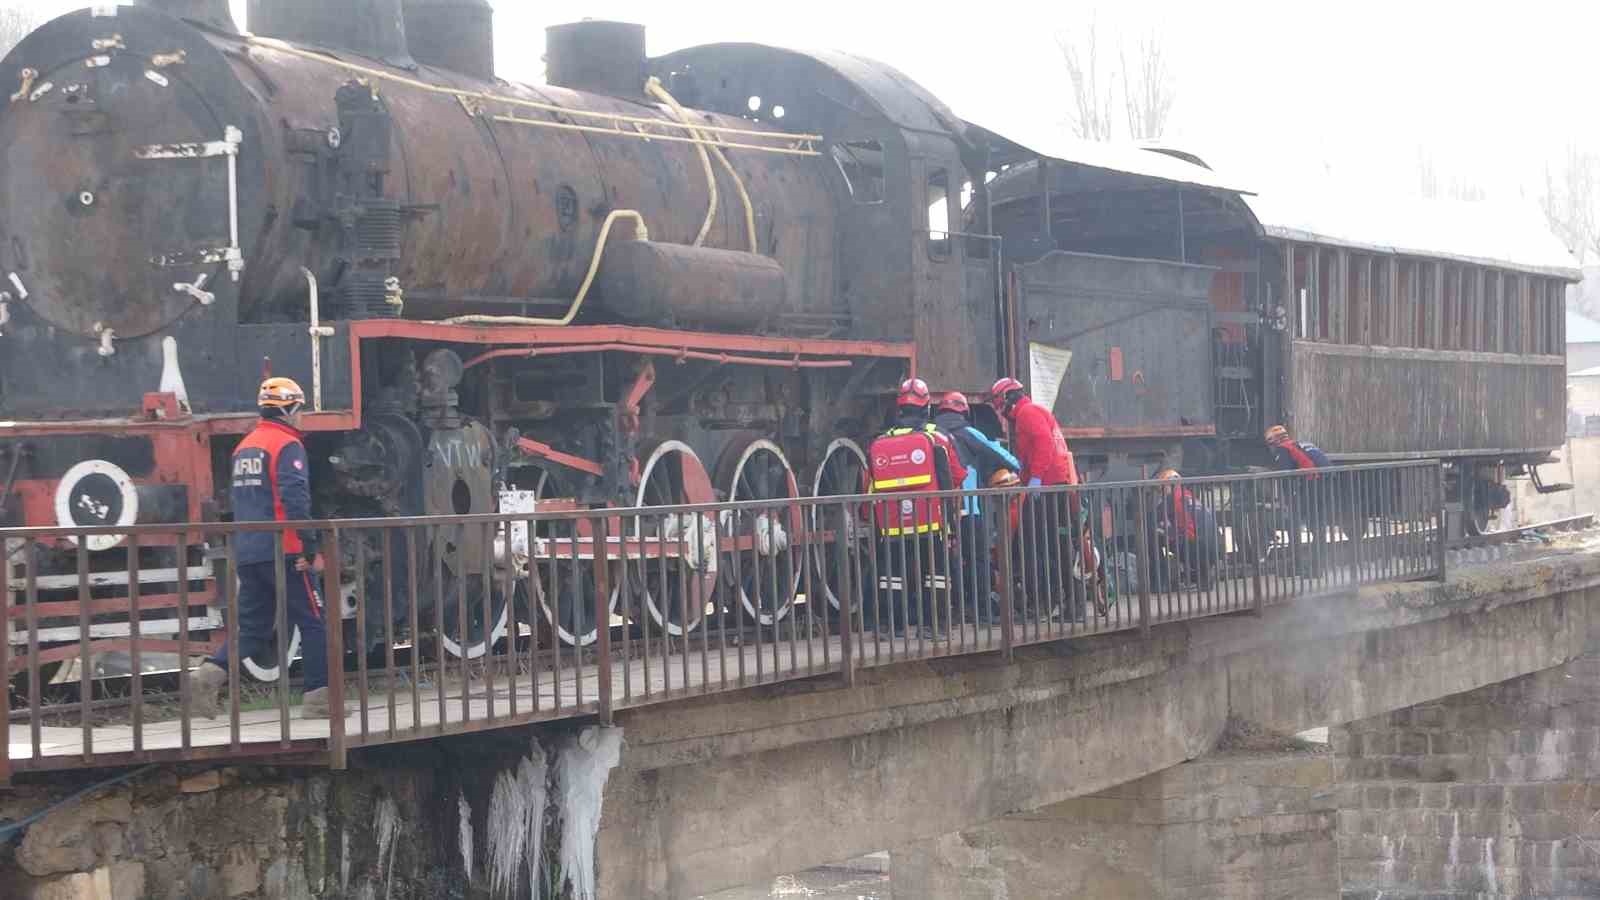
[724, 792]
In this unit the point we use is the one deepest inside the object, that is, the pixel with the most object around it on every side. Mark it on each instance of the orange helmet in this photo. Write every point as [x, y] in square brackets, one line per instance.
[913, 392]
[954, 401]
[280, 393]
[1168, 475]
[1276, 435]
[1004, 478]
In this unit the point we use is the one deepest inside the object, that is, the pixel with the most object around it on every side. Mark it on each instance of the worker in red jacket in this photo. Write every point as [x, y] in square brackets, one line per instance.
[1051, 520]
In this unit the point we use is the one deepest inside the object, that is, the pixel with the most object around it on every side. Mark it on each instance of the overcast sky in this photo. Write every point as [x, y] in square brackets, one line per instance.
[1355, 91]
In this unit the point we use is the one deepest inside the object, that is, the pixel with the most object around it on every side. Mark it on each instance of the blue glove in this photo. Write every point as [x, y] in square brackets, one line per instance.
[1035, 482]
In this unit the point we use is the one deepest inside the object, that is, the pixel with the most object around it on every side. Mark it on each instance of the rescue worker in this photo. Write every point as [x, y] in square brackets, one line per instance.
[912, 457]
[271, 483]
[984, 460]
[1181, 525]
[1305, 511]
[1049, 520]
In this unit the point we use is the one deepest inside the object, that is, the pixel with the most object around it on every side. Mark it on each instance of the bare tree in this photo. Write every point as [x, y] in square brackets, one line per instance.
[15, 23]
[1569, 203]
[1092, 85]
[1148, 88]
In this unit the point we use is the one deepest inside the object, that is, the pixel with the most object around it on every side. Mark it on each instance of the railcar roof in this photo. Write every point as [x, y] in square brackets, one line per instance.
[1025, 140]
[1507, 236]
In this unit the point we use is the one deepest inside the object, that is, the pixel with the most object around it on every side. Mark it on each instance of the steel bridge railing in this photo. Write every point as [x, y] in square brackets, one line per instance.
[449, 625]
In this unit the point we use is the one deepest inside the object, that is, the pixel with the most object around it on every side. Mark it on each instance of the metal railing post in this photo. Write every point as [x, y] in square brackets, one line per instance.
[1008, 585]
[338, 753]
[847, 656]
[602, 620]
[1443, 532]
[1256, 531]
[1142, 542]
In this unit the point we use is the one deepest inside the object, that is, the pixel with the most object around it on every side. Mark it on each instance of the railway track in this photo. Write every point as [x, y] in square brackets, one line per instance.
[1512, 535]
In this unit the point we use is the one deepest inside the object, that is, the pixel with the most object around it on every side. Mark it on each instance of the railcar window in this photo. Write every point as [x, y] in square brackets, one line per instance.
[1450, 287]
[1494, 287]
[861, 164]
[1468, 311]
[1358, 269]
[938, 200]
[1330, 296]
[1514, 308]
[1426, 305]
[1306, 298]
[1382, 301]
[1406, 305]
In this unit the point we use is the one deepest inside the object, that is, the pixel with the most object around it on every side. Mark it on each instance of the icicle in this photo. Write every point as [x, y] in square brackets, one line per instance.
[515, 830]
[582, 769]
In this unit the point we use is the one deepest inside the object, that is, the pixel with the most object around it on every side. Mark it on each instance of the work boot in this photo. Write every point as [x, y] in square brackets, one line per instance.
[205, 690]
[315, 704]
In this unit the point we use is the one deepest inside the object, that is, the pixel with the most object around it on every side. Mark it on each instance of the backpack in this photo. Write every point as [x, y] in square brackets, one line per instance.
[902, 462]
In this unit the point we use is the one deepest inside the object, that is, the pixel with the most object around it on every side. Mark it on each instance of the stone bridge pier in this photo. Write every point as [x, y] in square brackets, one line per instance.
[1493, 792]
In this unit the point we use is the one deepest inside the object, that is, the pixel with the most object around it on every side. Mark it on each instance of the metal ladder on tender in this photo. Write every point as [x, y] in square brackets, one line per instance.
[1235, 409]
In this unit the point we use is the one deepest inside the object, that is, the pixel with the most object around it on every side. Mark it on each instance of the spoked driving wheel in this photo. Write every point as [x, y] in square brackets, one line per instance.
[565, 586]
[681, 581]
[471, 626]
[769, 572]
[839, 536]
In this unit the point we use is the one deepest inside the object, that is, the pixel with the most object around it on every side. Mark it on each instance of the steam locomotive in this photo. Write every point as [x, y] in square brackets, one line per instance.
[650, 281]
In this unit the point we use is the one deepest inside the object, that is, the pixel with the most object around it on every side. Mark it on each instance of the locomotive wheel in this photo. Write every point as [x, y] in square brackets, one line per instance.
[1476, 516]
[843, 473]
[768, 575]
[675, 591]
[476, 643]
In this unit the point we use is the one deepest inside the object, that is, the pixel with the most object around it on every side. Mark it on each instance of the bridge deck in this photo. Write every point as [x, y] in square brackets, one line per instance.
[488, 702]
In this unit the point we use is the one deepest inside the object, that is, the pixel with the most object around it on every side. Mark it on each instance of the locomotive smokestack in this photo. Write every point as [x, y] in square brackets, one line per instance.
[374, 28]
[213, 13]
[602, 57]
[452, 34]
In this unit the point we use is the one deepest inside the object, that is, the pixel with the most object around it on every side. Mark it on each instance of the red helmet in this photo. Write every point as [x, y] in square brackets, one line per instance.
[997, 394]
[954, 401]
[913, 392]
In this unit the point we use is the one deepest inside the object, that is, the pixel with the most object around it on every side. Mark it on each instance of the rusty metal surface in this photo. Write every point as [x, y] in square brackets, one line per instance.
[1139, 332]
[646, 281]
[1346, 400]
[452, 34]
[603, 57]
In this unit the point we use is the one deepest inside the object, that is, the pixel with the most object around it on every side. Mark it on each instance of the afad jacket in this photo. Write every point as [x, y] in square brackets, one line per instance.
[272, 483]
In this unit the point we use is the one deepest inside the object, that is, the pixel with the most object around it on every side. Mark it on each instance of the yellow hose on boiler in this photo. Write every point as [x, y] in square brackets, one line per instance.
[640, 233]
[653, 87]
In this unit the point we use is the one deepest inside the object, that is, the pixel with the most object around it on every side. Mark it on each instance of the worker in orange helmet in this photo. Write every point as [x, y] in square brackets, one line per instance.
[1052, 518]
[1180, 524]
[272, 483]
[1307, 499]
